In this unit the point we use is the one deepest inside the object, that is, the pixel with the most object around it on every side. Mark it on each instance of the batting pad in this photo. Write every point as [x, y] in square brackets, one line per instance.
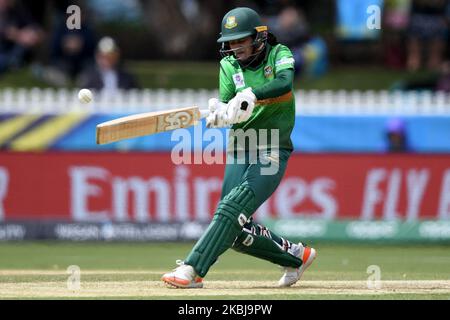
[264, 248]
[231, 215]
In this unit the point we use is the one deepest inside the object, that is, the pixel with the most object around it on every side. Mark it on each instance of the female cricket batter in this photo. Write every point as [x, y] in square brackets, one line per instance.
[256, 94]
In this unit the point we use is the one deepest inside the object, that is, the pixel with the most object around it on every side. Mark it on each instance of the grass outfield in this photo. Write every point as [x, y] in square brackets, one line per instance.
[32, 270]
[196, 75]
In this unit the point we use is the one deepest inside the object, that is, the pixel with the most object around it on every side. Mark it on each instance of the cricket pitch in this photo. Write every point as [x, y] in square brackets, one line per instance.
[215, 289]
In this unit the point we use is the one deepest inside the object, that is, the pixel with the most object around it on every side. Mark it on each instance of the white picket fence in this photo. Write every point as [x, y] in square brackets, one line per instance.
[309, 102]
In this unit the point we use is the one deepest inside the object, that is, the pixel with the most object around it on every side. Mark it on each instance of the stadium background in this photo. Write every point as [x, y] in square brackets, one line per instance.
[346, 182]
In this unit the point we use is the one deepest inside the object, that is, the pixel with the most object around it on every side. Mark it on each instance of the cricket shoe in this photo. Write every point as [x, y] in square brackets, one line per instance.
[292, 275]
[183, 276]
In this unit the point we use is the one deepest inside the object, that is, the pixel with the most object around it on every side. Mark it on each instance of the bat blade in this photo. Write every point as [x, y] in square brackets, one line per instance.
[143, 124]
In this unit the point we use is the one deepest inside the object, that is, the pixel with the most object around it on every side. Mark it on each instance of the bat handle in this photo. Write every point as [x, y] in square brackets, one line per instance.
[204, 113]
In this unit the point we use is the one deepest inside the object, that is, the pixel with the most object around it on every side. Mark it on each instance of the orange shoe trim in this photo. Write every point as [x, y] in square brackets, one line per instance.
[306, 254]
[198, 280]
[176, 280]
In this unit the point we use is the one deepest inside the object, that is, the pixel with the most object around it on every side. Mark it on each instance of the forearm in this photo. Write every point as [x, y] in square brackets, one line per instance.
[280, 85]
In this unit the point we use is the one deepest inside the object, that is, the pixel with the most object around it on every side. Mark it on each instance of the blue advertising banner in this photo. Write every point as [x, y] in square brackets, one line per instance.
[76, 132]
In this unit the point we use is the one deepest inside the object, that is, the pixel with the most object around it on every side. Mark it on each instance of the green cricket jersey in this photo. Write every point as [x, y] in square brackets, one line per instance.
[271, 113]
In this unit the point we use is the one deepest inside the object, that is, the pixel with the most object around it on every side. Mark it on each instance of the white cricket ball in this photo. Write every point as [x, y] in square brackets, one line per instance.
[85, 96]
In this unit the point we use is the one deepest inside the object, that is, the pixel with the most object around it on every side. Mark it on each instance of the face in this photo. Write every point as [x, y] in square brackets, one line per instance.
[72, 44]
[107, 61]
[244, 46]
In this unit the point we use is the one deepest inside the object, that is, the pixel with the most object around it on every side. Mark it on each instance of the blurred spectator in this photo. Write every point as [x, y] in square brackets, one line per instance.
[183, 29]
[443, 81]
[108, 74]
[71, 51]
[427, 29]
[396, 135]
[18, 35]
[291, 28]
[396, 20]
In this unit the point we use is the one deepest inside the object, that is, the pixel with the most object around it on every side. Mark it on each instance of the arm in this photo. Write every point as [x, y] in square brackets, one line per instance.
[284, 76]
[282, 84]
[217, 107]
[240, 108]
[226, 86]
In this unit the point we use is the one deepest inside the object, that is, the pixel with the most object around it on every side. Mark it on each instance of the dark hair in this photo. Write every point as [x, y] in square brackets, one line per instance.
[271, 39]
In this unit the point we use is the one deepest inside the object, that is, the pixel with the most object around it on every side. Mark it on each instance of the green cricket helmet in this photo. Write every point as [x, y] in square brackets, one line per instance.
[240, 23]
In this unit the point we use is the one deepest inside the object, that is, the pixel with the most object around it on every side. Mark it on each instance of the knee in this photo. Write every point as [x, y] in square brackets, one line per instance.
[237, 205]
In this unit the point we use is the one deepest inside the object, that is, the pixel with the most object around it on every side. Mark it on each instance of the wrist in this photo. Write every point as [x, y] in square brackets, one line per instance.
[248, 94]
[257, 92]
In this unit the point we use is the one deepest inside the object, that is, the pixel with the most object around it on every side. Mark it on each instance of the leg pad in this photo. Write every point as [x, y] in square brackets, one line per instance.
[231, 215]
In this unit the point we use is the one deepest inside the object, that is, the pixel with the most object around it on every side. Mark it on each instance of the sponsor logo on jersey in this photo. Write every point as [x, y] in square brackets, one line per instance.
[238, 79]
[268, 71]
[231, 22]
[284, 60]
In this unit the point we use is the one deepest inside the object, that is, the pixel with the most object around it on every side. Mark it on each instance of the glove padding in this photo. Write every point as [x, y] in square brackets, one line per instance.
[217, 117]
[240, 108]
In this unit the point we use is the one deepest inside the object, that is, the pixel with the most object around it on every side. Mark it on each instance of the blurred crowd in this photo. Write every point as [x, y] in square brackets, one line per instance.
[423, 26]
[36, 33]
[19, 33]
[414, 36]
[72, 55]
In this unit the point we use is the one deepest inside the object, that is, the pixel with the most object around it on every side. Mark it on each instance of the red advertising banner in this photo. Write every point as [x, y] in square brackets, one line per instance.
[145, 187]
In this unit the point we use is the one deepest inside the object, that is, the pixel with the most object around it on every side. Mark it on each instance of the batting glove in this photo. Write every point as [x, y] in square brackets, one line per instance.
[240, 108]
[217, 117]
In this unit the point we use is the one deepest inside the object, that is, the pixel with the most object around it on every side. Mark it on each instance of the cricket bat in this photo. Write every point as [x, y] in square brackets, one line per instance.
[143, 124]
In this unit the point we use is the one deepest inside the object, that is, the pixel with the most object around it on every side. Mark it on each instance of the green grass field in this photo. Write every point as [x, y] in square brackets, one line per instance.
[31, 270]
[204, 75]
